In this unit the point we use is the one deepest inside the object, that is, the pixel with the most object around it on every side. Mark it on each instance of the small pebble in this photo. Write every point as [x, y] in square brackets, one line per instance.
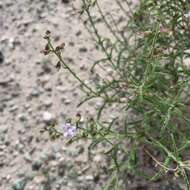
[19, 184]
[47, 116]
[36, 165]
[65, 1]
[1, 57]
[83, 49]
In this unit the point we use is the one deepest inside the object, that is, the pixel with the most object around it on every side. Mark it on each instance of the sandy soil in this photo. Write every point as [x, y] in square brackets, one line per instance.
[33, 92]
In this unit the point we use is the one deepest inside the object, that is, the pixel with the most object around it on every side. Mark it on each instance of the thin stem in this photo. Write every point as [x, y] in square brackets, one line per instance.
[159, 163]
[69, 69]
[100, 41]
[107, 24]
[123, 9]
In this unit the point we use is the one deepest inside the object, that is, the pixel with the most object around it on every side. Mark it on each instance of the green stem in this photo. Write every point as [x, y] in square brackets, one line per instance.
[69, 69]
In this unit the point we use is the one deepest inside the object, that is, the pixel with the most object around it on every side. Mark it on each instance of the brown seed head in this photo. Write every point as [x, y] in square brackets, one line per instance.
[47, 34]
[61, 46]
[45, 52]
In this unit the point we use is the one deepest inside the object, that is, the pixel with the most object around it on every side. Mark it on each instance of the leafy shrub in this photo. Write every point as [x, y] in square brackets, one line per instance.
[147, 52]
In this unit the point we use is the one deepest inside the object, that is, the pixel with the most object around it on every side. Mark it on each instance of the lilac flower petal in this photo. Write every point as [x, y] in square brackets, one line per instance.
[68, 130]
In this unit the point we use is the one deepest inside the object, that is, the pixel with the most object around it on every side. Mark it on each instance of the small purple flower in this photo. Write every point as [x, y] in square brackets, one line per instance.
[69, 130]
[164, 29]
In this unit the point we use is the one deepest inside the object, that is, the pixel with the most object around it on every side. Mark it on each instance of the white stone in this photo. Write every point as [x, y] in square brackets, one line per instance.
[47, 116]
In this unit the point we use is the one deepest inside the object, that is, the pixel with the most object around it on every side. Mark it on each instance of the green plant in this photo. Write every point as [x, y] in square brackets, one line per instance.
[147, 52]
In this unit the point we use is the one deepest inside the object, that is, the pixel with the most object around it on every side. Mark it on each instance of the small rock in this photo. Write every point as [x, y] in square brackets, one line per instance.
[22, 117]
[71, 44]
[46, 79]
[61, 89]
[86, 178]
[67, 102]
[65, 1]
[27, 157]
[75, 93]
[48, 87]
[61, 169]
[39, 179]
[89, 178]
[48, 117]
[80, 150]
[1, 57]
[36, 165]
[78, 33]
[83, 68]
[98, 159]
[11, 43]
[5, 81]
[83, 49]
[47, 102]
[2, 159]
[8, 177]
[4, 129]
[72, 174]
[19, 184]
[35, 93]
[99, 104]
[13, 108]
[19, 146]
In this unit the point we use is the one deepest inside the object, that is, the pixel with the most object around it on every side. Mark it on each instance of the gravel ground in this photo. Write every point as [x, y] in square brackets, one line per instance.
[33, 93]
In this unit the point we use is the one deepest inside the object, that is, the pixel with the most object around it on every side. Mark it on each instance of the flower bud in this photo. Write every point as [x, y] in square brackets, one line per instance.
[62, 46]
[47, 34]
[47, 47]
[45, 52]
